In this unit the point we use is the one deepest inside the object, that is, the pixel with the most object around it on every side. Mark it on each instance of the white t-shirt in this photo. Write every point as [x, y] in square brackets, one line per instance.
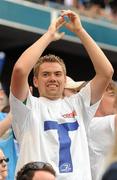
[53, 131]
[100, 139]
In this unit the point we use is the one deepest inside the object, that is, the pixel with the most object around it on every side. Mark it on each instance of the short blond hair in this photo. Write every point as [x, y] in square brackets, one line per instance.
[112, 86]
[51, 59]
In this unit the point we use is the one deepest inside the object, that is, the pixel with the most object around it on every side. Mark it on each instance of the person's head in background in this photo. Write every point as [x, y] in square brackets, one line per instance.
[113, 5]
[108, 103]
[3, 98]
[36, 171]
[72, 87]
[3, 165]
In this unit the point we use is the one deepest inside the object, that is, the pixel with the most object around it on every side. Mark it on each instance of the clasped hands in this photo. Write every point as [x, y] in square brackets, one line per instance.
[67, 18]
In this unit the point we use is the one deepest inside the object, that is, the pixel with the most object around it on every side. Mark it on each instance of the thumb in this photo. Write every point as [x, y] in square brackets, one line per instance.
[62, 34]
[59, 35]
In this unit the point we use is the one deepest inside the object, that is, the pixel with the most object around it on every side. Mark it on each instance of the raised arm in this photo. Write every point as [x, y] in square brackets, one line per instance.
[5, 124]
[22, 68]
[102, 66]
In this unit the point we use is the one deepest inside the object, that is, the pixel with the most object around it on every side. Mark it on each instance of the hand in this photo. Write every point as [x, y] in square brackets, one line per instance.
[74, 23]
[54, 27]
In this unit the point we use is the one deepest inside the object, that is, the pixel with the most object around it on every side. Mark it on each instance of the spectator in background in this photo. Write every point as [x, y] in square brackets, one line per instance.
[42, 125]
[110, 172]
[100, 9]
[3, 98]
[111, 161]
[3, 166]
[71, 3]
[36, 171]
[7, 141]
[97, 9]
[5, 123]
[101, 130]
[113, 14]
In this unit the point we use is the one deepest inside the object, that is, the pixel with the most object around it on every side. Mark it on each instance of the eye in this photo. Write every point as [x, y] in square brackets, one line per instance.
[112, 93]
[45, 74]
[58, 74]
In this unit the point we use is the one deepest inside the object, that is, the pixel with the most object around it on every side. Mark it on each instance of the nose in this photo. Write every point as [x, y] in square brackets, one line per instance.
[4, 164]
[52, 78]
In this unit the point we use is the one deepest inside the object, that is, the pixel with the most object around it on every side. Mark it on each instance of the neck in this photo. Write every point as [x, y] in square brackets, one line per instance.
[99, 113]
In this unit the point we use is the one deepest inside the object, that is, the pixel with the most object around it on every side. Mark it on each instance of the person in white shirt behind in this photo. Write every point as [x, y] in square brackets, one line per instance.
[101, 129]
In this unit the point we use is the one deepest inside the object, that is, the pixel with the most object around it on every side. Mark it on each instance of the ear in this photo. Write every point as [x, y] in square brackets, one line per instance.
[35, 82]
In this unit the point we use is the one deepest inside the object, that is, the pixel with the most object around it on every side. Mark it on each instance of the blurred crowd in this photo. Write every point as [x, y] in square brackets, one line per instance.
[99, 9]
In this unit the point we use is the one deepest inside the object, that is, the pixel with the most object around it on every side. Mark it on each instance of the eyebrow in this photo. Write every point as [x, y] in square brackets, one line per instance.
[3, 157]
[52, 72]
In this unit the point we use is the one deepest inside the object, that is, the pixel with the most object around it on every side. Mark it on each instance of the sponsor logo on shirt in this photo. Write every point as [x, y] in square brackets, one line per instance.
[66, 167]
[70, 115]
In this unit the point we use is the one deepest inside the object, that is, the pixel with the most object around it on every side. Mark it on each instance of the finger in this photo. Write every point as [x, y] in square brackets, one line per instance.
[66, 12]
[60, 22]
[60, 25]
[57, 21]
[69, 26]
[69, 14]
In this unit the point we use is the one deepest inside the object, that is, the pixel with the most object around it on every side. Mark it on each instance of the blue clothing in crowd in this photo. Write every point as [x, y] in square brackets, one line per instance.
[8, 146]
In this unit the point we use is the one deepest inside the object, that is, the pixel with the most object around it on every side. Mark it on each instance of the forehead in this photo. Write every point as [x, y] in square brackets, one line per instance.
[50, 67]
[45, 175]
[109, 94]
[1, 153]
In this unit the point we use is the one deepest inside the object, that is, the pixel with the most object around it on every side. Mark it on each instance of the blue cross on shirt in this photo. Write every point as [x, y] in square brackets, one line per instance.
[65, 161]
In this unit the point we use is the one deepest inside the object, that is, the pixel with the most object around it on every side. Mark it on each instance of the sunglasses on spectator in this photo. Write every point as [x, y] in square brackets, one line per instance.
[4, 160]
[38, 166]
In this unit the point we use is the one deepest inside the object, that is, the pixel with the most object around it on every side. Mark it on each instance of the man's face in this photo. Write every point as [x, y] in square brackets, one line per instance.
[43, 175]
[50, 81]
[3, 166]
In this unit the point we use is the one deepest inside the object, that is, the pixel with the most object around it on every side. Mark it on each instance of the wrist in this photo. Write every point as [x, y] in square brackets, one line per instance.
[79, 30]
[49, 35]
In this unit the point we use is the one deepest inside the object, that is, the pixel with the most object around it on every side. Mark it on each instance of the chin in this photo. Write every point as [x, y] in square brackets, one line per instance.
[5, 174]
[53, 97]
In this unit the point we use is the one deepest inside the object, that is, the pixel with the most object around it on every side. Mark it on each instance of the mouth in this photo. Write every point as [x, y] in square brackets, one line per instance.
[3, 171]
[52, 86]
